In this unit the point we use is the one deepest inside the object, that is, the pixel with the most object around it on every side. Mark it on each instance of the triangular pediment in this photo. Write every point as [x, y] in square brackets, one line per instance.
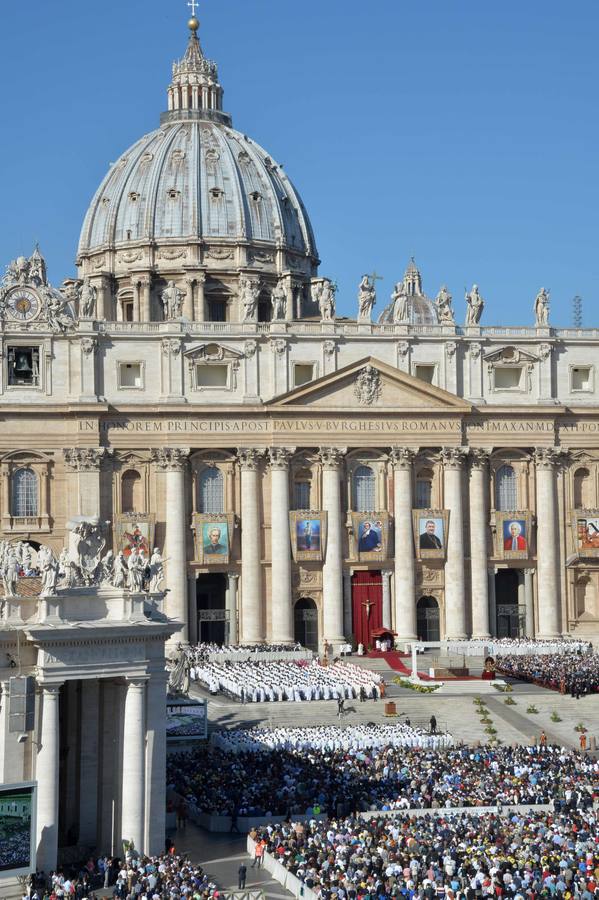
[370, 384]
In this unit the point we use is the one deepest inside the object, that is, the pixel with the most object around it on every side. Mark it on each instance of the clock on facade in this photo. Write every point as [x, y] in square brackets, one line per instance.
[22, 304]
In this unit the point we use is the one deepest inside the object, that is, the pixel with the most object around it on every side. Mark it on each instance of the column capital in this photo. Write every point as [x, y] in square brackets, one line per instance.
[136, 683]
[331, 457]
[50, 688]
[85, 459]
[170, 459]
[402, 457]
[249, 457]
[233, 576]
[479, 458]
[89, 345]
[453, 457]
[387, 573]
[171, 346]
[548, 457]
[279, 457]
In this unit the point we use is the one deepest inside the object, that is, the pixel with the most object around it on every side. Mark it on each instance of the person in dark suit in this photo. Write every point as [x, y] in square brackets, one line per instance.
[428, 538]
[213, 544]
[241, 876]
[370, 540]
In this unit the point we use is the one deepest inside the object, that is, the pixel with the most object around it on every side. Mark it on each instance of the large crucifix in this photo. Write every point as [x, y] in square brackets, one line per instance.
[368, 604]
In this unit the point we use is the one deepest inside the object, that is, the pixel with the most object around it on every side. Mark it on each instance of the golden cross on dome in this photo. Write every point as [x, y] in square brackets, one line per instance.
[193, 4]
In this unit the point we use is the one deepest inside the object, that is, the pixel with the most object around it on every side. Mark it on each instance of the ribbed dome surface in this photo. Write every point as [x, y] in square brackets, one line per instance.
[192, 180]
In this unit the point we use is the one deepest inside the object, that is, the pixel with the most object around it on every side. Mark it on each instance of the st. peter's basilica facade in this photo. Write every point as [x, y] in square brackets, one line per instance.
[309, 477]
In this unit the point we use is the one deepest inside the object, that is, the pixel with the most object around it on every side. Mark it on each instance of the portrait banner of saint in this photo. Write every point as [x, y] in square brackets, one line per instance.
[430, 532]
[213, 538]
[371, 535]
[307, 531]
[134, 533]
[586, 532]
[513, 534]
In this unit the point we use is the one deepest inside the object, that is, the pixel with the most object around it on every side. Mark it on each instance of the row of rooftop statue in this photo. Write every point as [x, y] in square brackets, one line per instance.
[60, 309]
[81, 564]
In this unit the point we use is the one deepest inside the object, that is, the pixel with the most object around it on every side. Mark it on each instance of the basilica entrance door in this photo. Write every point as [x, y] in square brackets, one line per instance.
[427, 620]
[506, 600]
[213, 624]
[305, 623]
[367, 605]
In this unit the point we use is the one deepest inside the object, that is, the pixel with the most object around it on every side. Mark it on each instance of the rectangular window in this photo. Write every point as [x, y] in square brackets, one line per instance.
[581, 378]
[508, 378]
[127, 310]
[302, 374]
[212, 376]
[130, 376]
[424, 493]
[23, 366]
[425, 373]
[217, 310]
[301, 495]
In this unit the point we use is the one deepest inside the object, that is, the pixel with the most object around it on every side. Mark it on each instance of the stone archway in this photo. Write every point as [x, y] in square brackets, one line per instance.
[305, 623]
[428, 620]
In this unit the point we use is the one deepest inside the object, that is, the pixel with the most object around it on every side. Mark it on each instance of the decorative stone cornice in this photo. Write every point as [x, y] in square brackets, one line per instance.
[279, 457]
[331, 457]
[479, 457]
[249, 457]
[85, 459]
[402, 457]
[453, 457]
[170, 459]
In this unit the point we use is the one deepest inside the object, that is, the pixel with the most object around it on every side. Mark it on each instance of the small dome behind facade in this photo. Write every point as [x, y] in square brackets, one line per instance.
[421, 309]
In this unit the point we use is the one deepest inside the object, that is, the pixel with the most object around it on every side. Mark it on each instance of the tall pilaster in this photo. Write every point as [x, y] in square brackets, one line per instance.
[134, 765]
[332, 570]
[455, 594]
[479, 472]
[281, 600]
[46, 774]
[145, 306]
[252, 615]
[405, 569]
[87, 463]
[173, 461]
[199, 303]
[548, 582]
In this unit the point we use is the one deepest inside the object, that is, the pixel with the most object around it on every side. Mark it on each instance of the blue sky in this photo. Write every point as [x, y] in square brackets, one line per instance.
[462, 132]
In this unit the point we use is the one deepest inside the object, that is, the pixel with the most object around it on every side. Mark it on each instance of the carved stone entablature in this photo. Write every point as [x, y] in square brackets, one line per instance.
[170, 459]
[172, 253]
[85, 459]
[249, 457]
[220, 253]
[307, 579]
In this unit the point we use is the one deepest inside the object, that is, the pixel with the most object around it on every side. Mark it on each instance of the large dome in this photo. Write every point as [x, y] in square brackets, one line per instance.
[196, 180]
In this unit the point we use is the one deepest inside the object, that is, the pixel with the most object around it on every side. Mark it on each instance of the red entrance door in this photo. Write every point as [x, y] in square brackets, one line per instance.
[367, 605]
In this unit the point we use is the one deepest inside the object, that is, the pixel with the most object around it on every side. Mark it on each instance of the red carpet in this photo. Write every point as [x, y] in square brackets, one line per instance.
[395, 661]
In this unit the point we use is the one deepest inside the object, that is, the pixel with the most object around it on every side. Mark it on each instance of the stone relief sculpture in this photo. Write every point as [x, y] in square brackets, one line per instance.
[278, 299]
[249, 293]
[87, 295]
[444, 307]
[541, 309]
[366, 299]
[324, 295]
[367, 387]
[48, 566]
[474, 306]
[172, 301]
[401, 303]
[26, 296]
[86, 542]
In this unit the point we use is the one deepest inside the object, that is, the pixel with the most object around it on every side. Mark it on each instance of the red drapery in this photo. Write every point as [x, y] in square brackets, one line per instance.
[367, 605]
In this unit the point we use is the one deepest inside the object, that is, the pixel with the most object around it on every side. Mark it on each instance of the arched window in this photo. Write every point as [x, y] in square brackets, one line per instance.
[24, 493]
[212, 491]
[364, 489]
[424, 489]
[506, 488]
[582, 489]
[131, 492]
[302, 489]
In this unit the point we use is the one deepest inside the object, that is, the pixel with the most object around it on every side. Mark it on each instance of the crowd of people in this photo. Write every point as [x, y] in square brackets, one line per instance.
[163, 877]
[465, 856]
[329, 738]
[278, 680]
[518, 647]
[204, 650]
[244, 776]
[570, 673]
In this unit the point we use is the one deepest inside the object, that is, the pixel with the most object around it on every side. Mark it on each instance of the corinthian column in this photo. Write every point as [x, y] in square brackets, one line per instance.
[332, 570]
[455, 594]
[548, 582]
[46, 774]
[479, 460]
[252, 627]
[173, 462]
[405, 580]
[281, 604]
